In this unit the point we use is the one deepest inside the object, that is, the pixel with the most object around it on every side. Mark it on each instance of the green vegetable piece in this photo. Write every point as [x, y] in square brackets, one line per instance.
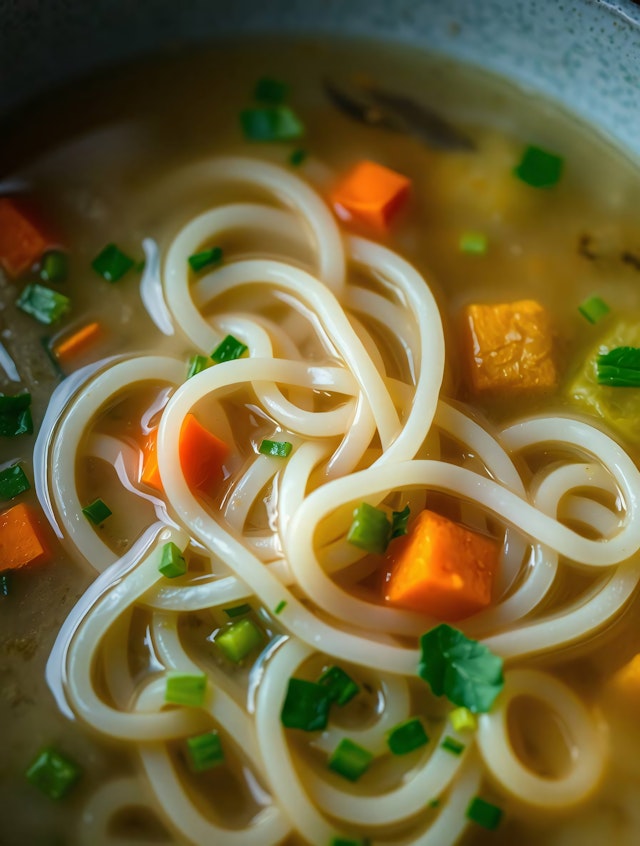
[280, 606]
[370, 530]
[197, 363]
[306, 706]
[279, 449]
[473, 243]
[407, 736]
[620, 367]
[112, 264]
[450, 744]
[13, 481]
[228, 350]
[400, 522]
[539, 168]
[462, 719]
[172, 563]
[274, 123]
[6, 580]
[593, 309]
[53, 773]
[345, 841]
[139, 266]
[297, 157]
[484, 813]
[45, 305]
[54, 266]
[434, 803]
[239, 639]
[205, 751]
[463, 670]
[188, 689]
[340, 685]
[15, 415]
[97, 512]
[350, 760]
[199, 261]
[269, 90]
[238, 610]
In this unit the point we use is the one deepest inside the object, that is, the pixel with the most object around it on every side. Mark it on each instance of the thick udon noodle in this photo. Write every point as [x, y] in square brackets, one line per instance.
[364, 414]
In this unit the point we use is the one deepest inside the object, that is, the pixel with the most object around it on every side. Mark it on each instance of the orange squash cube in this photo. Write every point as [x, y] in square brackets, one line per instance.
[202, 455]
[20, 538]
[370, 193]
[150, 473]
[21, 242]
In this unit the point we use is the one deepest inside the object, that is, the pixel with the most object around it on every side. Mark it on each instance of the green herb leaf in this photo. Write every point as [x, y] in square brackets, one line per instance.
[340, 685]
[297, 157]
[450, 744]
[463, 670]
[199, 261]
[13, 481]
[228, 349]
[54, 266]
[45, 305]
[97, 512]
[407, 736]
[197, 363]
[593, 309]
[539, 168]
[277, 123]
[238, 610]
[15, 415]
[620, 367]
[400, 522]
[306, 706]
[53, 773]
[269, 90]
[112, 264]
[484, 813]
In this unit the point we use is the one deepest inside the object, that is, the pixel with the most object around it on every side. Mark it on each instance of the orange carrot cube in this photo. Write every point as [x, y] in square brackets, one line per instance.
[371, 194]
[442, 569]
[150, 473]
[21, 241]
[202, 455]
[74, 345]
[20, 538]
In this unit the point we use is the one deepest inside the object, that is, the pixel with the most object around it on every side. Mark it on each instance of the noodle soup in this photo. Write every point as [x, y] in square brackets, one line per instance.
[258, 380]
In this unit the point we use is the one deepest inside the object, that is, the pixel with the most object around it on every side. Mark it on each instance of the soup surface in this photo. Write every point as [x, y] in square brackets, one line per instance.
[107, 162]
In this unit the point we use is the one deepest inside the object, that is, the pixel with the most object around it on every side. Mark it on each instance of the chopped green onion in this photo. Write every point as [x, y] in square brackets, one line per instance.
[55, 364]
[620, 367]
[228, 350]
[239, 639]
[433, 803]
[205, 751]
[370, 530]
[53, 773]
[172, 563]
[140, 266]
[112, 264]
[539, 168]
[306, 706]
[484, 813]
[297, 157]
[13, 481]
[450, 744]
[280, 449]
[344, 841]
[15, 415]
[97, 512]
[340, 685]
[197, 363]
[473, 243]
[5, 584]
[186, 689]
[199, 261]
[462, 719]
[350, 760]
[238, 610]
[280, 606]
[54, 266]
[45, 305]
[594, 309]
[400, 522]
[275, 123]
[269, 90]
[407, 736]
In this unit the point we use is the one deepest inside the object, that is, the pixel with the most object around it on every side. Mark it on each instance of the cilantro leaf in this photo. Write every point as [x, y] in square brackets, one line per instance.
[620, 367]
[463, 670]
[399, 522]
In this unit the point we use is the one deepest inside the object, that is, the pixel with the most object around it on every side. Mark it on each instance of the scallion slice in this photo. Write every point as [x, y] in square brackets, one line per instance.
[484, 813]
[172, 562]
[340, 685]
[237, 640]
[53, 773]
[306, 706]
[188, 689]
[205, 751]
[593, 309]
[5, 584]
[228, 350]
[280, 606]
[297, 157]
[15, 415]
[45, 305]
[473, 243]
[112, 264]
[400, 522]
[54, 266]
[199, 261]
[13, 481]
[539, 168]
[345, 841]
[462, 719]
[279, 449]
[270, 90]
[370, 529]
[197, 363]
[273, 123]
[238, 610]
[450, 744]
[407, 736]
[350, 760]
[97, 511]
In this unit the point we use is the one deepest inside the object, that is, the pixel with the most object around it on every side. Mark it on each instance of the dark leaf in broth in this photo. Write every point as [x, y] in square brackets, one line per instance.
[357, 105]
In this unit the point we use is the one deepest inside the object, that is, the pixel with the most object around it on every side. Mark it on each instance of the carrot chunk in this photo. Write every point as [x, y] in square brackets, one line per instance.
[150, 474]
[509, 347]
[371, 194]
[77, 343]
[21, 241]
[202, 455]
[20, 538]
[442, 569]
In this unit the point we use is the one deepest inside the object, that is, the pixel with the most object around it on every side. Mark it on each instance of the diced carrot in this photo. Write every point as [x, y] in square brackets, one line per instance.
[442, 569]
[150, 473]
[72, 346]
[20, 538]
[509, 347]
[22, 241]
[202, 455]
[370, 193]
